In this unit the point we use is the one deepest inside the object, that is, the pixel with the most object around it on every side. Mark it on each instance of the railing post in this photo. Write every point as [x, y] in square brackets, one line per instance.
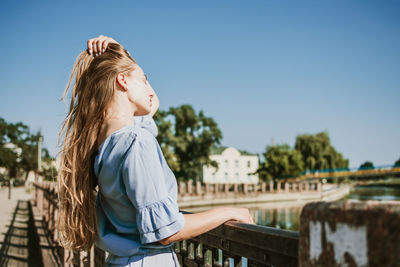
[215, 257]
[55, 233]
[319, 187]
[312, 187]
[189, 187]
[207, 188]
[279, 187]
[198, 188]
[71, 259]
[271, 186]
[206, 252]
[226, 188]
[197, 257]
[181, 188]
[84, 259]
[286, 187]
[245, 189]
[92, 259]
[36, 194]
[235, 188]
[263, 187]
[40, 201]
[99, 257]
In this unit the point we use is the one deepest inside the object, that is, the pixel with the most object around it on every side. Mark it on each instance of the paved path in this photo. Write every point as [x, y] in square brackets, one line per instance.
[7, 206]
[19, 240]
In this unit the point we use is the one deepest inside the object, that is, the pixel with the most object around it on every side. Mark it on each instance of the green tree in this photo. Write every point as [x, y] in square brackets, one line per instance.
[186, 139]
[318, 153]
[13, 137]
[280, 162]
[18, 148]
[368, 165]
[397, 163]
[164, 138]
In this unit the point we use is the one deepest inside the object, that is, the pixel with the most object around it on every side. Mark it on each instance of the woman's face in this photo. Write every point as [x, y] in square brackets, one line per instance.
[140, 92]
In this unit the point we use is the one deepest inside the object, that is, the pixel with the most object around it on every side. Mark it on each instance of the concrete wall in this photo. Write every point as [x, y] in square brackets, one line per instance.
[350, 233]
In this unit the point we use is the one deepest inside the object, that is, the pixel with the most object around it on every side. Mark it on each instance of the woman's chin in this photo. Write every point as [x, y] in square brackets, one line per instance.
[143, 112]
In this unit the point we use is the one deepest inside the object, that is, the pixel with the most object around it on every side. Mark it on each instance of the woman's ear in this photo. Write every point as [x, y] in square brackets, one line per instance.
[122, 81]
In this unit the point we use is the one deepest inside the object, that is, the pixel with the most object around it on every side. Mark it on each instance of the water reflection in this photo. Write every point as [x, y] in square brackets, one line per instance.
[281, 216]
[286, 215]
[375, 192]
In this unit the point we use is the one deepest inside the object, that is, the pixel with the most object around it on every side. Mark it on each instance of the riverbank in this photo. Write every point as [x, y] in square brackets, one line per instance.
[328, 193]
[390, 182]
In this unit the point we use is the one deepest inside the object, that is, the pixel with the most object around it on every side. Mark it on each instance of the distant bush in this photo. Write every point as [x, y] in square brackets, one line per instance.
[368, 165]
[397, 164]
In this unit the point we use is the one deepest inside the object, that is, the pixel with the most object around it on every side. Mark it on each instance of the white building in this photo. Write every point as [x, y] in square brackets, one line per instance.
[234, 167]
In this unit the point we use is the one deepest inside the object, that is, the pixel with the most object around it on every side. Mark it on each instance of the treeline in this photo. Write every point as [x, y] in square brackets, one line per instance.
[186, 138]
[311, 152]
[19, 152]
[368, 165]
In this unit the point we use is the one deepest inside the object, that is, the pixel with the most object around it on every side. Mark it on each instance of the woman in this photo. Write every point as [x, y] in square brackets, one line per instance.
[109, 141]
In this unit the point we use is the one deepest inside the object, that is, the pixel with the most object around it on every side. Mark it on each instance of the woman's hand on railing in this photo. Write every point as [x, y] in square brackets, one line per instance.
[99, 44]
[240, 215]
[202, 222]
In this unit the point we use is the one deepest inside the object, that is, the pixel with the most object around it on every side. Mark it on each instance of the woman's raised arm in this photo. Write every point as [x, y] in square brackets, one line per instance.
[99, 44]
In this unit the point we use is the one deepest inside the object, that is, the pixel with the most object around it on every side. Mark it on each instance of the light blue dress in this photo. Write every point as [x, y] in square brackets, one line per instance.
[137, 199]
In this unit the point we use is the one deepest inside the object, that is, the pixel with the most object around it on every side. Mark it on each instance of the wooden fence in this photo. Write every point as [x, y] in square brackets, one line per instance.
[228, 245]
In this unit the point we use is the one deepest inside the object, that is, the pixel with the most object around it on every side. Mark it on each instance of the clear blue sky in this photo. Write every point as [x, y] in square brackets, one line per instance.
[261, 69]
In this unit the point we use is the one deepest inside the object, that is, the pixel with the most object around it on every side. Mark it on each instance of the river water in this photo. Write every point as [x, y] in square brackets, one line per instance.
[286, 215]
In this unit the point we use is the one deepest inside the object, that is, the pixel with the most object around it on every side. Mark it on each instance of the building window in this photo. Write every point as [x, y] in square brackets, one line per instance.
[226, 176]
[248, 164]
[213, 175]
[237, 176]
[236, 163]
[226, 163]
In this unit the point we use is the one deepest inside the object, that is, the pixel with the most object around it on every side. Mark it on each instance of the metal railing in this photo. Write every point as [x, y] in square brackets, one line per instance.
[236, 244]
[230, 244]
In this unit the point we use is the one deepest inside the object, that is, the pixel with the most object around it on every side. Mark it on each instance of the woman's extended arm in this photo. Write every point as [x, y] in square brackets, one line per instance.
[199, 223]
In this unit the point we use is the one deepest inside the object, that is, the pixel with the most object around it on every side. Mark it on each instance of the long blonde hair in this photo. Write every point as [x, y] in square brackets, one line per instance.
[92, 91]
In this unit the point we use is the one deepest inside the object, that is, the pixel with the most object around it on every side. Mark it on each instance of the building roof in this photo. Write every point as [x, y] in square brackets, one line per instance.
[218, 151]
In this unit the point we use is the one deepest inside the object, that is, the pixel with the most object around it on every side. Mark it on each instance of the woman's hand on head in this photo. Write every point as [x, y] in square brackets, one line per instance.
[98, 45]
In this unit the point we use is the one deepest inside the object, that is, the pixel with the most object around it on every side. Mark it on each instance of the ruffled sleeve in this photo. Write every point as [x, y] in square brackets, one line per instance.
[158, 214]
[147, 122]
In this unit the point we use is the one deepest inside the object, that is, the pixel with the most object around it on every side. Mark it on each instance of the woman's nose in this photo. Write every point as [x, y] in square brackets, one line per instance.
[151, 91]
